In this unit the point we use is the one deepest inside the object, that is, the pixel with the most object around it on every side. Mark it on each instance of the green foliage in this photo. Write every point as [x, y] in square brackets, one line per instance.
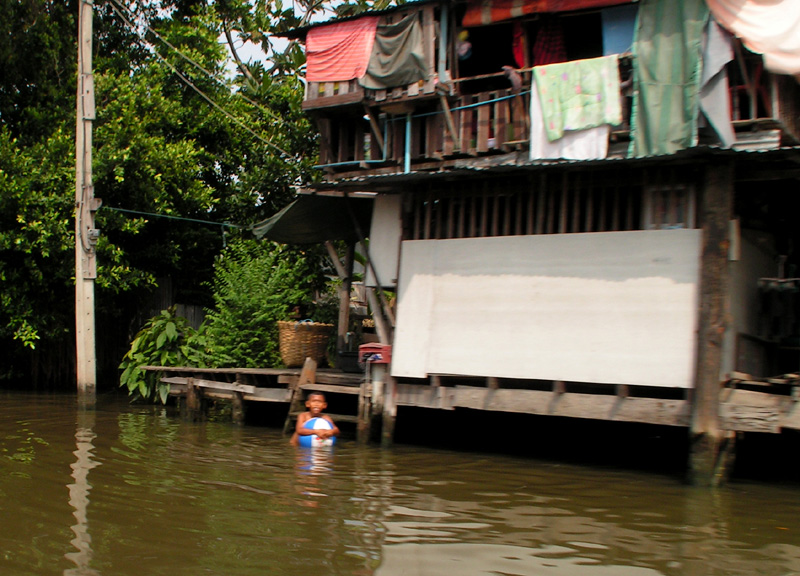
[159, 147]
[255, 285]
[35, 239]
[165, 340]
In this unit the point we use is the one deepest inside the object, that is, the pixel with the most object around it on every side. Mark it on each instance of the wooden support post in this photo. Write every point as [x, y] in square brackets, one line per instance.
[237, 408]
[344, 299]
[194, 402]
[376, 131]
[706, 465]
[451, 126]
[365, 413]
[389, 411]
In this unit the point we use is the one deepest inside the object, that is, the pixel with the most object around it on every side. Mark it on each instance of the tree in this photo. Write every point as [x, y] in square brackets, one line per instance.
[180, 148]
[173, 137]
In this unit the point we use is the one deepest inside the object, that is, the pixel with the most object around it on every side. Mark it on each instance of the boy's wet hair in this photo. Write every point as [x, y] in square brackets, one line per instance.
[314, 393]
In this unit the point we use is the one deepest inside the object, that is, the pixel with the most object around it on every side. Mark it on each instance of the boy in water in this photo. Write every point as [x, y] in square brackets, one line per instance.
[315, 403]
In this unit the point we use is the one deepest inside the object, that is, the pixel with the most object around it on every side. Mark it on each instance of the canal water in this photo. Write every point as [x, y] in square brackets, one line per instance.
[131, 490]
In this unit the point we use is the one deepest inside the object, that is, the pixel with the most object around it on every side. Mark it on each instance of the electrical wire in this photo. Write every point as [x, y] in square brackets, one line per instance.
[189, 83]
[267, 111]
[167, 216]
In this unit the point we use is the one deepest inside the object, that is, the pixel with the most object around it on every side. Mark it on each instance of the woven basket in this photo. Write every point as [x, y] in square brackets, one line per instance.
[301, 340]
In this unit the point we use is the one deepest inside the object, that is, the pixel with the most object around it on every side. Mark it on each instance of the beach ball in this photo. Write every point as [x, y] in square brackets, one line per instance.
[314, 441]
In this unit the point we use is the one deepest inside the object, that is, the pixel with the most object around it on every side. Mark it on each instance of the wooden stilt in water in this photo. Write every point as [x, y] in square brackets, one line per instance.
[195, 406]
[237, 408]
[709, 456]
[365, 411]
[389, 411]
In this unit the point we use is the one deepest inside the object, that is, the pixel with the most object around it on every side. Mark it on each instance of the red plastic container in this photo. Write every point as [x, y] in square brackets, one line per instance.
[375, 353]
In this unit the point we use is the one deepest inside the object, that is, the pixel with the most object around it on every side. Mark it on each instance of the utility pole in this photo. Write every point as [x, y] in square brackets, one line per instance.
[85, 207]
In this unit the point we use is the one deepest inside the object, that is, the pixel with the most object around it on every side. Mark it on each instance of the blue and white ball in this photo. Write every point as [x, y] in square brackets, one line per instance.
[314, 441]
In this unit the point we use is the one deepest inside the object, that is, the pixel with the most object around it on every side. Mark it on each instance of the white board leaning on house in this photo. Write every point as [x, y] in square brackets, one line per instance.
[617, 307]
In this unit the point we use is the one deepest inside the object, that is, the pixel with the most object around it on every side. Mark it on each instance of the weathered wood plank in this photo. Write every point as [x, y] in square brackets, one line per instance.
[439, 397]
[484, 111]
[331, 100]
[200, 383]
[331, 388]
[752, 411]
[591, 406]
[269, 395]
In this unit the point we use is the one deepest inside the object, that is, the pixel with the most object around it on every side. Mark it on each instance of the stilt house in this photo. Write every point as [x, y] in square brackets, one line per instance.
[586, 208]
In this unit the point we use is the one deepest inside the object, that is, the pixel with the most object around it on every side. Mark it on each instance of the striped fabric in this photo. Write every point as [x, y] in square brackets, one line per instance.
[482, 12]
[339, 52]
[667, 71]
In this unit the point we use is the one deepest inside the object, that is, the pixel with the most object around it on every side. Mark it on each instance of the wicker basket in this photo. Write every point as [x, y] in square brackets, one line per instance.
[301, 340]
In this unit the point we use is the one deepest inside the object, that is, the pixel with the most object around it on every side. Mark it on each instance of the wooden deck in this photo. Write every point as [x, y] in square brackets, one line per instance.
[285, 385]
[764, 405]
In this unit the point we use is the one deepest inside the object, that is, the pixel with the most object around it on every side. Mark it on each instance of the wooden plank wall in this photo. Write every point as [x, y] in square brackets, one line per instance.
[544, 203]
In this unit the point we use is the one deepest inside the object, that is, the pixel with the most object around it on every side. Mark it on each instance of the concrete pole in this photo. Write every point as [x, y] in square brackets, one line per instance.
[85, 206]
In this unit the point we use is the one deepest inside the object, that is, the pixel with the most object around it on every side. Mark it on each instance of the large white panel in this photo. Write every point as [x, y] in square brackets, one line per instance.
[384, 240]
[610, 308]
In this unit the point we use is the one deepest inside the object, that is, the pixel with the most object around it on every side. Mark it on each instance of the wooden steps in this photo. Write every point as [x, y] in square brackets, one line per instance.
[307, 383]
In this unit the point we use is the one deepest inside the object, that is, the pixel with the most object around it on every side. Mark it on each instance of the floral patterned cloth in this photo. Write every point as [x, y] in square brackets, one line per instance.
[579, 94]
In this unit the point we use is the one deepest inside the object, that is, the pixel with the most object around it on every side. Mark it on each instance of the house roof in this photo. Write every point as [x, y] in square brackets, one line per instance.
[300, 33]
[756, 164]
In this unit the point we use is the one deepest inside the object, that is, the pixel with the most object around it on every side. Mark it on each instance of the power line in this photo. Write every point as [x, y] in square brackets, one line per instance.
[194, 63]
[154, 215]
[195, 88]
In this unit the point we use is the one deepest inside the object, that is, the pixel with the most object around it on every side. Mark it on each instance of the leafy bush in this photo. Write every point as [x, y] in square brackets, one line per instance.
[256, 284]
[165, 340]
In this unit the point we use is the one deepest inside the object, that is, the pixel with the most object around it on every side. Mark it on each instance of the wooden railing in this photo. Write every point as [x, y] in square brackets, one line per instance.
[439, 125]
[470, 125]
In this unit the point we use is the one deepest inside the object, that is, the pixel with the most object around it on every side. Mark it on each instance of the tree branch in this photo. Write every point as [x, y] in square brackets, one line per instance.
[239, 64]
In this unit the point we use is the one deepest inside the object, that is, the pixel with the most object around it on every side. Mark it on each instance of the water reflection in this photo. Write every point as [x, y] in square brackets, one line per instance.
[312, 465]
[174, 498]
[482, 559]
[79, 495]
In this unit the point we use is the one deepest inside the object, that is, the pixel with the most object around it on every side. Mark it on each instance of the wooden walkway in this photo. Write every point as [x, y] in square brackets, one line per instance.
[194, 386]
[746, 404]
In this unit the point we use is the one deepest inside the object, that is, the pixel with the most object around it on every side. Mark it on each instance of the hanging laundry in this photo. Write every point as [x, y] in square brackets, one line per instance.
[340, 52]
[589, 144]
[715, 98]
[398, 57]
[667, 71]
[769, 28]
[579, 94]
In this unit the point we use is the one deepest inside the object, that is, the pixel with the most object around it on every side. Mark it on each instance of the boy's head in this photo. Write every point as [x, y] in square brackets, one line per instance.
[315, 402]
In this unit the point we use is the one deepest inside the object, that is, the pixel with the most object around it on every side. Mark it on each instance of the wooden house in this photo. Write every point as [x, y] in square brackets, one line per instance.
[585, 208]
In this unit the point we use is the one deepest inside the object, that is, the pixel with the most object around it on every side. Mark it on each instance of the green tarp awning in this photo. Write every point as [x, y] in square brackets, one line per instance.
[314, 219]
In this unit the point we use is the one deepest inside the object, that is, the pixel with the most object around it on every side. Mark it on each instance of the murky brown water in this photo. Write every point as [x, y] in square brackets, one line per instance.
[136, 491]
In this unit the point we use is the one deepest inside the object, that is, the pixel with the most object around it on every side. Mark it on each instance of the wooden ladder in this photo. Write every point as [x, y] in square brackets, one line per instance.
[308, 381]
